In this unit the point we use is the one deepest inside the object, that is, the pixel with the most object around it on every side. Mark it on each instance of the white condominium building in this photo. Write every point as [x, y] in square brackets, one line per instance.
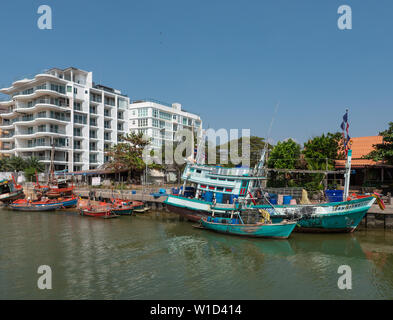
[160, 121]
[66, 111]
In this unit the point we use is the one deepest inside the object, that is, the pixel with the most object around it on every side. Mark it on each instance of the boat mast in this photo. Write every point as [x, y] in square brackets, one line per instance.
[347, 174]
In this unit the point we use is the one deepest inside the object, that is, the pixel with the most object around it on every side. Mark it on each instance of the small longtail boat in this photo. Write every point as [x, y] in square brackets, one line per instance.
[44, 204]
[98, 213]
[25, 205]
[236, 226]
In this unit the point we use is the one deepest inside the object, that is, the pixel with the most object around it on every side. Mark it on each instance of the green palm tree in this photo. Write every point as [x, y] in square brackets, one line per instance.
[35, 163]
[17, 163]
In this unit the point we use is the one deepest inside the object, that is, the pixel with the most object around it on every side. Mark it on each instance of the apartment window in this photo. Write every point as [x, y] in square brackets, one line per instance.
[120, 115]
[93, 146]
[190, 122]
[122, 103]
[77, 132]
[57, 87]
[92, 133]
[142, 112]
[75, 90]
[155, 113]
[80, 118]
[184, 121]
[107, 124]
[93, 122]
[77, 106]
[41, 87]
[41, 114]
[174, 117]
[69, 89]
[41, 128]
[77, 145]
[54, 128]
[120, 127]
[93, 109]
[30, 104]
[110, 101]
[107, 113]
[107, 136]
[142, 122]
[156, 123]
[30, 130]
[28, 91]
[165, 115]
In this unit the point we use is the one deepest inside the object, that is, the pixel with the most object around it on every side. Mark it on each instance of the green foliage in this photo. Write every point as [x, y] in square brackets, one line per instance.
[128, 155]
[16, 163]
[318, 154]
[285, 155]
[29, 173]
[35, 164]
[383, 151]
[323, 147]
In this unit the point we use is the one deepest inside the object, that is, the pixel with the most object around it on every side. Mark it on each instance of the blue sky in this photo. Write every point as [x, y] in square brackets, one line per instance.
[228, 61]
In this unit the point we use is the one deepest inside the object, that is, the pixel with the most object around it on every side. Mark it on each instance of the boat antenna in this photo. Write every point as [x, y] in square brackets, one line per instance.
[261, 162]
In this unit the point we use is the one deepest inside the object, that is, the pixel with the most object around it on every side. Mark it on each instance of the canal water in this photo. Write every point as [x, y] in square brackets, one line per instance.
[156, 256]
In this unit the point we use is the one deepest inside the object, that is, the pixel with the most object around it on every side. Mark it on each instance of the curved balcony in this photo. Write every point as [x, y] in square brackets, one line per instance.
[38, 93]
[40, 133]
[44, 104]
[40, 147]
[7, 125]
[7, 103]
[47, 76]
[21, 82]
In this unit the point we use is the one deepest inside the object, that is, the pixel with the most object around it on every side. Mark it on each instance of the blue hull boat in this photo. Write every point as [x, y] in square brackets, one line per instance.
[260, 230]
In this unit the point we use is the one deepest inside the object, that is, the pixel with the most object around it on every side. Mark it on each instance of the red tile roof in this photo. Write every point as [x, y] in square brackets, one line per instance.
[361, 146]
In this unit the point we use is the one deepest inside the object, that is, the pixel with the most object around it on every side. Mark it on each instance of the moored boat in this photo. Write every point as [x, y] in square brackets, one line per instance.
[10, 191]
[25, 205]
[235, 226]
[98, 213]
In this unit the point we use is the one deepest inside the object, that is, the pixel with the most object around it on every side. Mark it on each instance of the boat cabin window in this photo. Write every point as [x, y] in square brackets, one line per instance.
[231, 180]
[198, 171]
[244, 183]
[220, 188]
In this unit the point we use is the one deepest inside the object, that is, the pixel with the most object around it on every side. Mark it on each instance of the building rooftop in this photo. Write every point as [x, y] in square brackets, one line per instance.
[361, 146]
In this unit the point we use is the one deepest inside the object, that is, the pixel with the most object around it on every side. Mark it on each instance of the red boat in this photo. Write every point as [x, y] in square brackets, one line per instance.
[98, 213]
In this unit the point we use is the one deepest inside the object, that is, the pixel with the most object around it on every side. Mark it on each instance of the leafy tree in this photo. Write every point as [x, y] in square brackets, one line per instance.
[383, 151]
[285, 155]
[33, 166]
[4, 164]
[319, 149]
[257, 144]
[127, 155]
[17, 163]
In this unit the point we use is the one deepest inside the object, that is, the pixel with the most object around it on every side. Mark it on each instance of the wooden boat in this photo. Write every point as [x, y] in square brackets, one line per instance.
[10, 191]
[98, 213]
[44, 204]
[122, 210]
[235, 226]
[25, 205]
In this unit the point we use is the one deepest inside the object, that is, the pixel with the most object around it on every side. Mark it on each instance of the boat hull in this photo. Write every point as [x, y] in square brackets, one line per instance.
[277, 231]
[331, 217]
[107, 214]
[122, 211]
[36, 208]
[326, 217]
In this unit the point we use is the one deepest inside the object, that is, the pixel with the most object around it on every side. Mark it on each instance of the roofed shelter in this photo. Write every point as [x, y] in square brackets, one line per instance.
[367, 173]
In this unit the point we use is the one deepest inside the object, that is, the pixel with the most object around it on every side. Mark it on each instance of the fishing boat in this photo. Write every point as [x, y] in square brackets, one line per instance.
[25, 205]
[234, 225]
[10, 191]
[218, 188]
[125, 207]
[98, 213]
[44, 204]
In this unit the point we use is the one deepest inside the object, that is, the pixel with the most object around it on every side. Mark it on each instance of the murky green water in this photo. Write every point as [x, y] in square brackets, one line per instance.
[159, 257]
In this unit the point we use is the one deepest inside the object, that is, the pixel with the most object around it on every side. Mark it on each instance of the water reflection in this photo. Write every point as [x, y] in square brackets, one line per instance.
[156, 256]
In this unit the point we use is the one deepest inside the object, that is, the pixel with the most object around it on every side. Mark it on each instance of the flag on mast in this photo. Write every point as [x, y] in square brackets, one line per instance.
[344, 128]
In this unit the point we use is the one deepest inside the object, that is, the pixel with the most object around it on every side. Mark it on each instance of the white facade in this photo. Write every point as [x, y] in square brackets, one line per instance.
[66, 109]
[160, 121]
